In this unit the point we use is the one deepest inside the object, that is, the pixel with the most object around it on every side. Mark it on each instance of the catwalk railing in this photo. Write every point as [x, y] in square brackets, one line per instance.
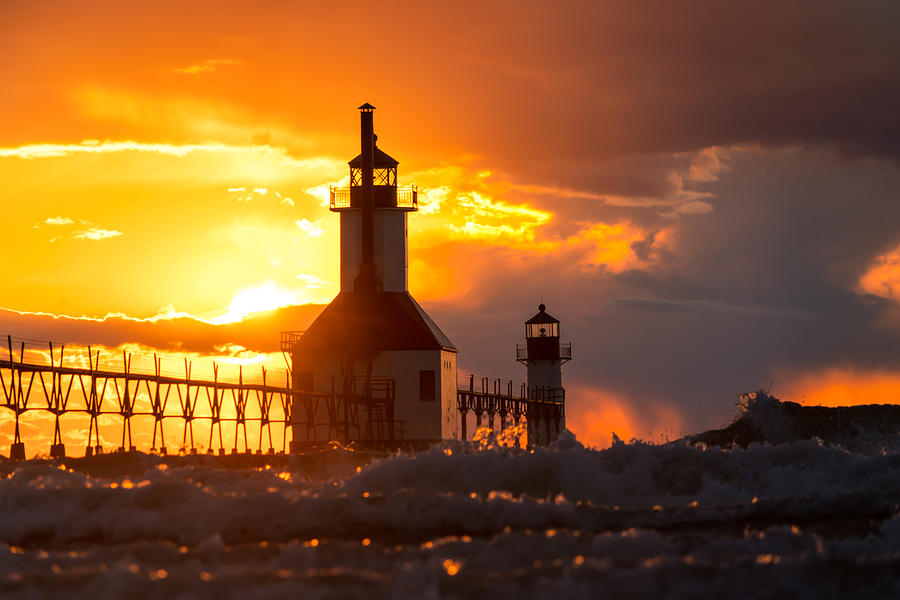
[60, 389]
[494, 397]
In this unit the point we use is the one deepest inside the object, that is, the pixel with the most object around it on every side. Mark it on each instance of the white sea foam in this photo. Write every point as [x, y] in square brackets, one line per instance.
[462, 520]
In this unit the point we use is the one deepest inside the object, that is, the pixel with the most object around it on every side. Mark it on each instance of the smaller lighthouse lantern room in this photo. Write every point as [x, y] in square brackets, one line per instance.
[544, 355]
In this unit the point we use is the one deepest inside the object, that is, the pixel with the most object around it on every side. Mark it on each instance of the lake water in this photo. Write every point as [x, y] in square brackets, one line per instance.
[475, 520]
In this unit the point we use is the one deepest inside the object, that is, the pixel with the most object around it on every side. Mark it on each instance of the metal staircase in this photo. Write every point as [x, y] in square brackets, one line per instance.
[377, 395]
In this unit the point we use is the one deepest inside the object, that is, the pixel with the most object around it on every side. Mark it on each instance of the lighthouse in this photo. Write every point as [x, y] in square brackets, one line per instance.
[373, 365]
[544, 357]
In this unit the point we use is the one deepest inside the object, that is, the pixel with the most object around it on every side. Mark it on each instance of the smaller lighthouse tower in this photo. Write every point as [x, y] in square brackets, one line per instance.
[544, 357]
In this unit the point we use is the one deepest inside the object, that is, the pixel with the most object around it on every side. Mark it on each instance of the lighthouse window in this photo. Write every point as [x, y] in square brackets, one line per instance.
[379, 176]
[534, 330]
[385, 176]
[427, 386]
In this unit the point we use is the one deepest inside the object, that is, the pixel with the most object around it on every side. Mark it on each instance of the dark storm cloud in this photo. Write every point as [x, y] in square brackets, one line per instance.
[766, 283]
[790, 229]
[608, 79]
[612, 98]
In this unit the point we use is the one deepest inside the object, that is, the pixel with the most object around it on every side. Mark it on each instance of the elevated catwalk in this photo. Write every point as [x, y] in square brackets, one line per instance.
[256, 415]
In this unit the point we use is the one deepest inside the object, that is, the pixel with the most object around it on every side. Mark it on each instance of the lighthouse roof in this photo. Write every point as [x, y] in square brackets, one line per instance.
[541, 316]
[357, 322]
[382, 160]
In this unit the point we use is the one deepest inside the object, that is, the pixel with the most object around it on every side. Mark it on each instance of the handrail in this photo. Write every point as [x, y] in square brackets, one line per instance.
[406, 197]
[289, 339]
[565, 352]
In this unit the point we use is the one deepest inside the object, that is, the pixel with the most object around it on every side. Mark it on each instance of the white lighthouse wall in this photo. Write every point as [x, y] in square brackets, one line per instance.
[389, 246]
[326, 370]
[448, 385]
[351, 248]
[423, 420]
[390, 249]
[544, 374]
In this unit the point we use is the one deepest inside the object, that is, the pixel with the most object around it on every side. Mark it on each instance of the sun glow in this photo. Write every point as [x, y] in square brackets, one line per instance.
[599, 414]
[840, 387]
[261, 298]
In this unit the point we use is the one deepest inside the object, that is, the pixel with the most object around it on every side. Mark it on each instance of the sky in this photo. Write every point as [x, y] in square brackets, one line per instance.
[707, 195]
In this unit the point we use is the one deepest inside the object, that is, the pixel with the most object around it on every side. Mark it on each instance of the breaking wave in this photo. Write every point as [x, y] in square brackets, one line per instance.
[806, 516]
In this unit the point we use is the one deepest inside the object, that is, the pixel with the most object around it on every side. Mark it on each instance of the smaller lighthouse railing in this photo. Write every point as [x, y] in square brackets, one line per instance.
[565, 352]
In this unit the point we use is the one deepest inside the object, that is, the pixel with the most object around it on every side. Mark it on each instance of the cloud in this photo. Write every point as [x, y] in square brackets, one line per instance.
[708, 164]
[167, 331]
[242, 194]
[170, 115]
[311, 281]
[610, 245]
[882, 277]
[207, 66]
[284, 200]
[322, 192]
[474, 204]
[556, 192]
[484, 217]
[33, 151]
[432, 199]
[96, 233]
[311, 229]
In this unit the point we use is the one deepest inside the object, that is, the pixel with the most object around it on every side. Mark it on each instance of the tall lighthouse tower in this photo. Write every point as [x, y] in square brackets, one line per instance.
[373, 228]
[544, 356]
[373, 348]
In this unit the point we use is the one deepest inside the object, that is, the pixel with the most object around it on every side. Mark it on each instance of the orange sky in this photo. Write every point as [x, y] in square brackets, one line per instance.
[172, 159]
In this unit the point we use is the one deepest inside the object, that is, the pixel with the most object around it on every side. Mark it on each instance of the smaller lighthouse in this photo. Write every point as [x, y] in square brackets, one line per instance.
[544, 356]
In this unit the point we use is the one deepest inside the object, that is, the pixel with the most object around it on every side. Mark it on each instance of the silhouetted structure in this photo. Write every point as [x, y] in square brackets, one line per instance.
[374, 343]
[64, 390]
[544, 356]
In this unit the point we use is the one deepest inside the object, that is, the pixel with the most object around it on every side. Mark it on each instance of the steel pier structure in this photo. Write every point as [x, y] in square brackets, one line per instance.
[53, 387]
[544, 408]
